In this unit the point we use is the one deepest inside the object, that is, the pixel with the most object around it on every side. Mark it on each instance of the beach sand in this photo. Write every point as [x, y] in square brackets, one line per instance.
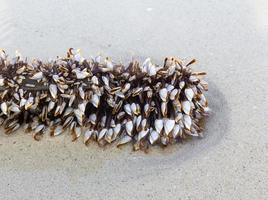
[230, 41]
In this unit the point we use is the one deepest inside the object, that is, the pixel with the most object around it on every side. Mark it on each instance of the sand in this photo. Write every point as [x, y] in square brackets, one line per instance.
[230, 41]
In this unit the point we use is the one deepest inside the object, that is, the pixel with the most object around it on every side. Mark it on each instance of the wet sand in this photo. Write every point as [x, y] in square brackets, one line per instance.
[230, 41]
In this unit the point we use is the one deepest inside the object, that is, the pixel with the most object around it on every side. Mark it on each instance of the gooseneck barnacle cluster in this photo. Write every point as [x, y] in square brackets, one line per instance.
[143, 104]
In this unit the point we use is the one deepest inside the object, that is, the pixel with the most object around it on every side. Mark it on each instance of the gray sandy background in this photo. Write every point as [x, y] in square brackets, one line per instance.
[230, 41]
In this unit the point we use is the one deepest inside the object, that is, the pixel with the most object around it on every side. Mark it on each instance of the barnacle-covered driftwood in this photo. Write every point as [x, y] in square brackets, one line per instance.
[142, 104]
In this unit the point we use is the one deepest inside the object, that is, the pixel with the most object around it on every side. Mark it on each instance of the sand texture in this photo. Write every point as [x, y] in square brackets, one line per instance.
[230, 41]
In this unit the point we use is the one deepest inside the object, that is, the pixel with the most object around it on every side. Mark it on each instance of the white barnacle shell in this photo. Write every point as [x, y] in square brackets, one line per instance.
[206, 110]
[13, 128]
[73, 125]
[55, 77]
[79, 116]
[117, 129]
[203, 100]
[120, 94]
[176, 105]
[68, 111]
[189, 93]
[78, 57]
[186, 107]
[2, 80]
[138, 122]
[77, 132]
[187, 120]
[159, 124]
[153, 137]
[37, 76]
[181, 84]
[176, 130]
[173, 94]
[51, 105]
[102, 134]
[20, 71]
[129, 127]
[178, 116]
[95, 100]
[164, 140]
[127, 109]
[81, 74]
[71, 100]
[21, 92]
[126, 87]
[151, 70]
[81, 92]
[39, 128]
[143, 123]
[14, 108]
[22, 102]
[3, 54]
[149, 93]
[168, 125]
[67, 122]
[109, 64]
[29, 103]
[58, 131]
[93, 118]
[57, 110]
[109, 135]
[4, 107]
[53, 90]
[87, 135]
[103, 121]
[170, 87]
[171, 70]
[98, 59]
[81, 106]
[124, 140]
[204, 84]
[105, 80]
[146, 109]
[62, 107]
[16, 96]
[112, 124]
[164, 108]
[146, 64]
[163, 93]
[192, 133]
[95, 80]
[193, 78]
[138, 110]
[142, 134]
[137, 91]
[148, 67]
[133, 107]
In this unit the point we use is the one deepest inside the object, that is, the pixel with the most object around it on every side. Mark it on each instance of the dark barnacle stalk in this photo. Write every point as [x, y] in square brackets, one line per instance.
[143, 104]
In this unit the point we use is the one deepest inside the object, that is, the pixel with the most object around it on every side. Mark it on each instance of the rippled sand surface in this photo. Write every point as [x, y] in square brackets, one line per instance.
[230, 41]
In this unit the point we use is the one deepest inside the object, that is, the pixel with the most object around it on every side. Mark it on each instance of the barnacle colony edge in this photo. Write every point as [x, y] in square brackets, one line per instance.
[142, 104]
